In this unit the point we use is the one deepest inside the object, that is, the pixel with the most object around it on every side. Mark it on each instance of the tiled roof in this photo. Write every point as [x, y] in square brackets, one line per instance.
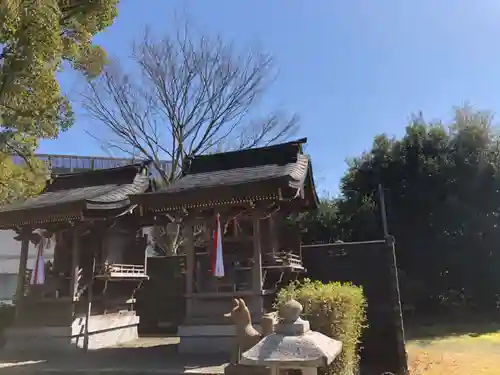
[279, 154]
[227, 175]
[296, 170]
[105, 189]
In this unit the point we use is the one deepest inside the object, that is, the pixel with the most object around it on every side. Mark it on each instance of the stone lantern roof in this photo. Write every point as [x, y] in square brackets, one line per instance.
[293, 345]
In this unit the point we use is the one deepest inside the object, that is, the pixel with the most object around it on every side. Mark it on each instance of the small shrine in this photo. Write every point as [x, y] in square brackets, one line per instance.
[240, 237]
[85, 297]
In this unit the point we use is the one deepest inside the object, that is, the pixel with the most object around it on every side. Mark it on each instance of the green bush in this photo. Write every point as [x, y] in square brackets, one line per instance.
[337, 310]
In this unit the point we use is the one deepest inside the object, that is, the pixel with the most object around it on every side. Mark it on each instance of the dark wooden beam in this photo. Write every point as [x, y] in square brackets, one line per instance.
[190, 265]
[21, 275]
[257, 261]
[75, 258]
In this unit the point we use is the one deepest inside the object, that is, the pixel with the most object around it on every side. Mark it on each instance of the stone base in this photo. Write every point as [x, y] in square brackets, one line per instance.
[202, 339]
[104, 331]
[245, 370]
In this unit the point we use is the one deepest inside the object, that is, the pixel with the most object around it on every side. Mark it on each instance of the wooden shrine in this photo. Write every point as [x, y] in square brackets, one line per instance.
[86, 299]
[257, 193]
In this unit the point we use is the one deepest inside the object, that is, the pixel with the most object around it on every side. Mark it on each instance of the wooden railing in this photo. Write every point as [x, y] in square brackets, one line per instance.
[122, 271]
[283, 259]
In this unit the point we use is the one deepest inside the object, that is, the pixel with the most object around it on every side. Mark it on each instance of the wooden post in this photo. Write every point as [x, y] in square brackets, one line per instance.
[57, 261]
[257, 263]
[89, 307]
[383, 213]
[75, 263]
[190, 266]
[397, 311]
[395, 292]
[146, 255]
[257, 254]
[273, 233]
[21, 275]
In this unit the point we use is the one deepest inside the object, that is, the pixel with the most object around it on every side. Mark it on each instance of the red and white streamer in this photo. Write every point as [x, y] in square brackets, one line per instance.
[38, 274]
[217, 255]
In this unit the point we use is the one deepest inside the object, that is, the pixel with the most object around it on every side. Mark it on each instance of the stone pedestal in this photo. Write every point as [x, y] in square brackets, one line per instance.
[104, 331]
[293, 346]
[232, 369]
[212, 339]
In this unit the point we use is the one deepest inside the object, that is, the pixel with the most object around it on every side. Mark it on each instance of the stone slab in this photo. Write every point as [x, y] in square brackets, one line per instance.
[213, 339]
[104, 331]
[206, 330]
[245, 370]
[186, 330]
[203, 345]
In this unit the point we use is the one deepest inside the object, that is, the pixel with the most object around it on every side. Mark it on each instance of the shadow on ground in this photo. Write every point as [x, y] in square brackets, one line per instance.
[438, 327]
[147, 355]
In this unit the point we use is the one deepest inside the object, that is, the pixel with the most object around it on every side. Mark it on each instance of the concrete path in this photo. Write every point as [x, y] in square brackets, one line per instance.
[144, 356]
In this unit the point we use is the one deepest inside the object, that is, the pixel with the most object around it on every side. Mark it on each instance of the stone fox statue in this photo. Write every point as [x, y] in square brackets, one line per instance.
[246, 335]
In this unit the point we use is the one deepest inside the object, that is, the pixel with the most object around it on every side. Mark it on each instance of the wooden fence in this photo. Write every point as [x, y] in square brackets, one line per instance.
[372, 266]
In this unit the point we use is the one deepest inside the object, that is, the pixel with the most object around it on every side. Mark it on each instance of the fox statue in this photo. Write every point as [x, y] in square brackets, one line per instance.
[246, 335]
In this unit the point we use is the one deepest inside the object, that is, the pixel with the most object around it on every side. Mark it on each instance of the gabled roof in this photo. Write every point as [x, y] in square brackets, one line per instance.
[275, 172]
[75, 195]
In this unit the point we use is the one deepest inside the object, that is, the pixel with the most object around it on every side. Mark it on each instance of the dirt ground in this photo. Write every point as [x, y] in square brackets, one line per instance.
[473, 353]
[148, 355]
[435, 350]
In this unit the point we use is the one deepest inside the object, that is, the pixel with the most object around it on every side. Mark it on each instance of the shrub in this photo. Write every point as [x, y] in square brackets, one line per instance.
[337, 310]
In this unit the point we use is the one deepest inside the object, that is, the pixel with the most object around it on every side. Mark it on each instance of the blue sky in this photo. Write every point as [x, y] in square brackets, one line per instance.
[350, 68]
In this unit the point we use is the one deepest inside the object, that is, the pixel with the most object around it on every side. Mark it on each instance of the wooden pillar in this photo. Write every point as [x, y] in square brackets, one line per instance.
[21, 275]
[89, 306]
[190, 266]
[257, 263]
[401, 367]
[274, 233]
[56, 264]
[148, 239]
[75, 262]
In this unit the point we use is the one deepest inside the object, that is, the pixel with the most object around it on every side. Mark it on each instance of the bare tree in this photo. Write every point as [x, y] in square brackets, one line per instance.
[187, 95]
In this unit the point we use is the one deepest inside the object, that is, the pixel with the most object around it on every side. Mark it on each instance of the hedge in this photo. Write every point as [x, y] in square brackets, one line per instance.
[337, 310]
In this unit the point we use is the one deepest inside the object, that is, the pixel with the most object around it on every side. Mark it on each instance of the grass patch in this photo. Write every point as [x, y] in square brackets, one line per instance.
[431, 329]
[468, 349]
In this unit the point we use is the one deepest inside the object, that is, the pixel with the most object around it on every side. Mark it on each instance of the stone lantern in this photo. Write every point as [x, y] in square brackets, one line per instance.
[293, 346]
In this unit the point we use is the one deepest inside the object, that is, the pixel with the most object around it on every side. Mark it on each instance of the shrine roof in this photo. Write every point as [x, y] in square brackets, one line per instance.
[275, 172]
[73, 195]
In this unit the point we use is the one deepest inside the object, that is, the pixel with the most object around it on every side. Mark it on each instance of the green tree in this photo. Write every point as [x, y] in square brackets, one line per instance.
[325, 224]
[36, 37]
[442, 188]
